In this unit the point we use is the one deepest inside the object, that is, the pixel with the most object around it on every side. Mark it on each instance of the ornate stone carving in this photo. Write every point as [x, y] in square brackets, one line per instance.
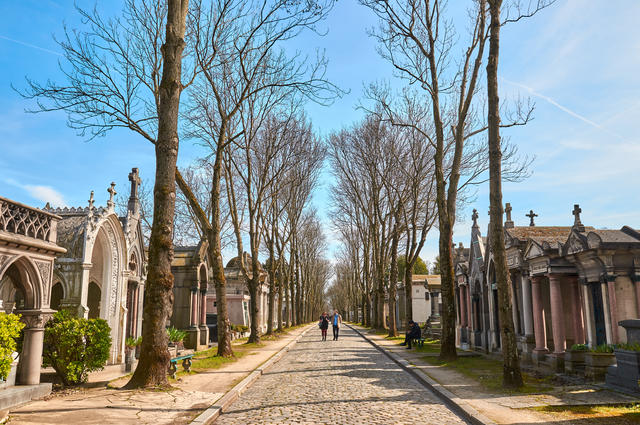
[44, 268]
[37, 320]
[24, 221]
[4, 260]
[113, 290]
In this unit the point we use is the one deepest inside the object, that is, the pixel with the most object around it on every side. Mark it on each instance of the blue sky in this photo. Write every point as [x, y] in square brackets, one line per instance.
[579, 61]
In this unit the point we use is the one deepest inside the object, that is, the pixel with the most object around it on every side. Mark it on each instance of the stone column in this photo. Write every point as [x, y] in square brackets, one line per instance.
[611, 286]
[203, 307]
[463, 306]
[588, 315]
[134, 311]
[538, 315]
[557, 314]
[576, 310]
[31, 356]
[469, 312]
[526, 306]
[204, 329]
[515, 313]
[194, 307]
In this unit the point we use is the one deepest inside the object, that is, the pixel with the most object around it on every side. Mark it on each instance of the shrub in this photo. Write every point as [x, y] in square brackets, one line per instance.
[130, 343]
[10, 327]
[579, 347]
[240, 328]
[75, 346]
[603, 348]
[175, 335]
[629, 347]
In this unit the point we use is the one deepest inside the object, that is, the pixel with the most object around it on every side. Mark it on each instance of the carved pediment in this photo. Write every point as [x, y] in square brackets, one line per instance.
[593, 240]
[533, 250]
[575, 243]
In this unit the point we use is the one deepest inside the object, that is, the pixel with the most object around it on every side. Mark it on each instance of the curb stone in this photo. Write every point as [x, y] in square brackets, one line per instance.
[459, 406]
[222, 404]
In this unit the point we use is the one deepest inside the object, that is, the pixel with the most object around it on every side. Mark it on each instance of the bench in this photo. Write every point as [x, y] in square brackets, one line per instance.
[418, 342]
[186, 364]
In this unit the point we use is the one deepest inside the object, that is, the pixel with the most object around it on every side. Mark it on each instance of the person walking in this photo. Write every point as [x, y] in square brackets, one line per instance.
[336, 320]
[324, 325]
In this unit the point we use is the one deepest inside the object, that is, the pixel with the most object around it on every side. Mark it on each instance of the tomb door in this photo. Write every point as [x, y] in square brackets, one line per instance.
[598, 313]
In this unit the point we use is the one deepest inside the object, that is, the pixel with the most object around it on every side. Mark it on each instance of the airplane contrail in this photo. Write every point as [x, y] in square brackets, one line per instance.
[30, 45]
[559, 106]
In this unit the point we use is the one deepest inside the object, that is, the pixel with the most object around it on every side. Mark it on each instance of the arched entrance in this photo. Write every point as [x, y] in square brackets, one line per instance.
[94, 298]
[57, 294]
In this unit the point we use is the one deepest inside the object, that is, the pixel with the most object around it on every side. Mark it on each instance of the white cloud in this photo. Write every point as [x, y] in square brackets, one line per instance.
[41, 193]
[46, 194]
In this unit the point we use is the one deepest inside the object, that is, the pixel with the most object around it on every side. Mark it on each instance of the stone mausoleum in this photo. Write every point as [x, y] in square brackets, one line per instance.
[570, 285]
[103, 272]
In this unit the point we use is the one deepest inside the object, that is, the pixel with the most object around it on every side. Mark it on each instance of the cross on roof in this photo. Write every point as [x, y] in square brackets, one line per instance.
[507, 210]
[91, 200]
[112, 193]
[134, 178]
[531, 215]
[576, 212]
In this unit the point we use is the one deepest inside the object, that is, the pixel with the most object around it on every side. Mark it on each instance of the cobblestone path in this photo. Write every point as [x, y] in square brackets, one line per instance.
[337, 382]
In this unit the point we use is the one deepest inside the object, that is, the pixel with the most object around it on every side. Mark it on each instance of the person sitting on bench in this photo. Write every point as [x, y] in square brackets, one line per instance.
[413, 332]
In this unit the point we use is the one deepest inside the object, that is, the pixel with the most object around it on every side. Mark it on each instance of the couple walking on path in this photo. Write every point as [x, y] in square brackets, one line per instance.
[336, 321]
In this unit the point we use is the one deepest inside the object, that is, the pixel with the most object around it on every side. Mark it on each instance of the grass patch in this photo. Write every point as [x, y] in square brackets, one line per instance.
[488, 373]
[626, 414]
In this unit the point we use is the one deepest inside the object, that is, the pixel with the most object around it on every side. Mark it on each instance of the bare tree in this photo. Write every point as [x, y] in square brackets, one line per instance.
[511, 377]
[238, 50]
[419, 42]
[126, 72]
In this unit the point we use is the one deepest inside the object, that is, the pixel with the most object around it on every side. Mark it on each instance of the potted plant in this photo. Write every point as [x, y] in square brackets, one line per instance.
[176, 336]
[575, 358]
[597, 360]
[130, 345]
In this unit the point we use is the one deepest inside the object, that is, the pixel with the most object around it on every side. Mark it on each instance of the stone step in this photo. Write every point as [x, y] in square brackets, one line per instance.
[14, 396]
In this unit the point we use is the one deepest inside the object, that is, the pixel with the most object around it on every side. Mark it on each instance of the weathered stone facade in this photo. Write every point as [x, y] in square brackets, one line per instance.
[103, 272]
[191, 270]
[570, 285]
[27, 251]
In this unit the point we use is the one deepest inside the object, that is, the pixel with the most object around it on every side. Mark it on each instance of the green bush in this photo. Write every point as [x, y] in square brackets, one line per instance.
[579, 347]
[240, 328]
[629, 347]
[75, 346]
[130, 343]
[176, 335]
[10, 327]
[603, 348]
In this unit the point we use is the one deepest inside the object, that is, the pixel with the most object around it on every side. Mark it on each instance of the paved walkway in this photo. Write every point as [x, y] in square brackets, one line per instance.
[511, 409]
[192, 395]
[337, 382]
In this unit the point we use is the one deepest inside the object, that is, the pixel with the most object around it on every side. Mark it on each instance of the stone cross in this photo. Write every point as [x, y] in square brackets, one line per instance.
[577, 223]
[474, 217]
[134, 178]
[531, 215]
[91, 200]
[112, 194]
[509, 223]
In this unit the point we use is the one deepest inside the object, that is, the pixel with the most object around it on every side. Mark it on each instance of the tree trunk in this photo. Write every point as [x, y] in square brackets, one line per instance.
[408, 294]
[254, 284]
[280, 295]
[511, 376]
[393, 278]
[154, 358]
[272, 296]
[448, 341]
